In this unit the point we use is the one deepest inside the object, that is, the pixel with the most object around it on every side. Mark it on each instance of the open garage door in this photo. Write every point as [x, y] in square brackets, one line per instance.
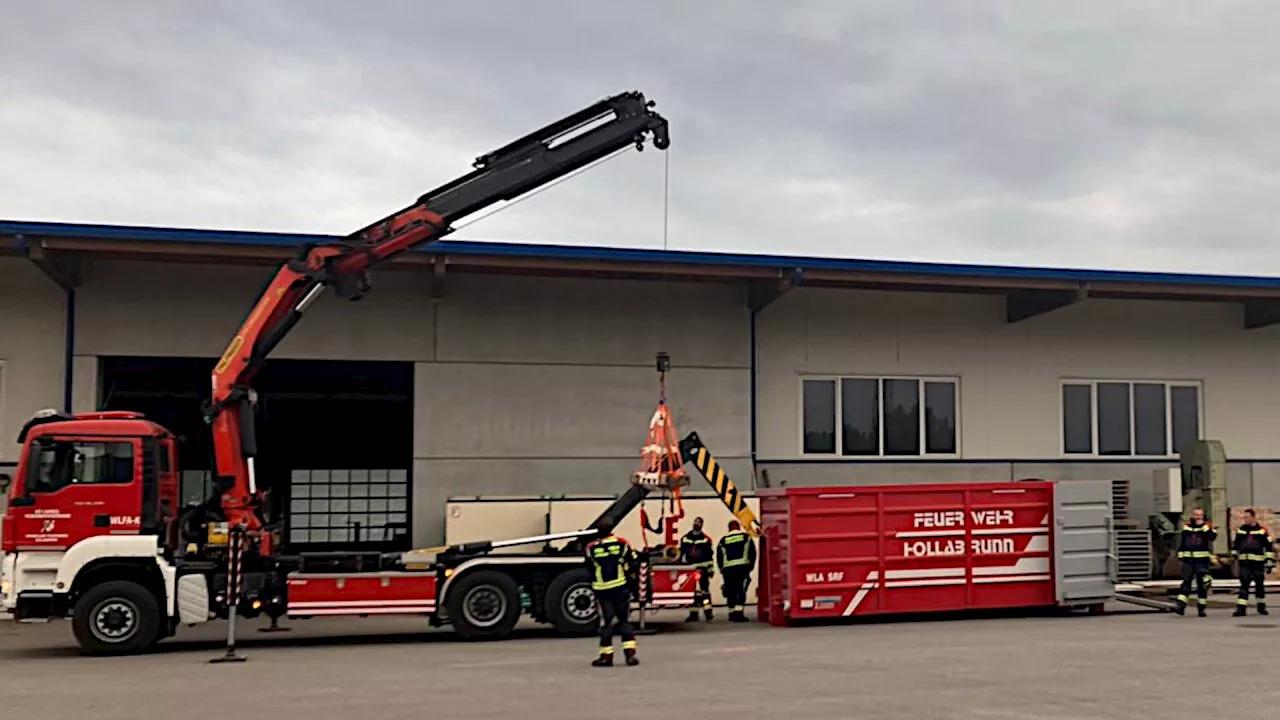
[335, 441]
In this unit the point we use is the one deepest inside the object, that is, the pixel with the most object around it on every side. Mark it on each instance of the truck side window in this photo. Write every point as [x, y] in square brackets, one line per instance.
[82, 463]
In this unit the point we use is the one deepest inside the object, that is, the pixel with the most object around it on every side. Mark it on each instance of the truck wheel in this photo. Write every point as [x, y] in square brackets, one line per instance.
[116, 618]
[571, 603]
[484, 604]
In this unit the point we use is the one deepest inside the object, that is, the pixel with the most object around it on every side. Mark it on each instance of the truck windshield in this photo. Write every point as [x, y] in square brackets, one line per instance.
[64, 463]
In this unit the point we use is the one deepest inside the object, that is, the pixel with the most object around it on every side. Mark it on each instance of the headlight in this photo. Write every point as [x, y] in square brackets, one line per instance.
[5, 586]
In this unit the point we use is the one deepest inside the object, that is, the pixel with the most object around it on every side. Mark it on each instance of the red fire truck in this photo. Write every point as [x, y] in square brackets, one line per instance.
[94, 530]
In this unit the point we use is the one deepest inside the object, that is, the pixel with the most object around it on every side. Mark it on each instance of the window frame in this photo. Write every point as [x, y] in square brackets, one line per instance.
[881, 456]
[1093, 454]
[35, 465]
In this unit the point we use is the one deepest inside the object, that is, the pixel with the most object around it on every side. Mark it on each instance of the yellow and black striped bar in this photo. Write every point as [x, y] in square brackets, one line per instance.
[693, 451]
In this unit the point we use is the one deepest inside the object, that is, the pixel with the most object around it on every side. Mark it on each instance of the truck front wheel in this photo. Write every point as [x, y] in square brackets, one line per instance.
[484, 604]
[116, 618]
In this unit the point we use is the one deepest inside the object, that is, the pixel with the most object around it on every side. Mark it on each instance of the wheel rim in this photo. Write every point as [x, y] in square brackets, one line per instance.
[484, 606]
[114, 620]
[580, 603]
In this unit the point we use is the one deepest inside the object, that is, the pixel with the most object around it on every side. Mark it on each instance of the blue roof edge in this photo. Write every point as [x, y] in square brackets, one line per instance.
[621, 254]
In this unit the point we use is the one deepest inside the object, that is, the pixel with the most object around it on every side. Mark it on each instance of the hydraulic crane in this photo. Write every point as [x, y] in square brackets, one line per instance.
[534, 160]
[117, 559]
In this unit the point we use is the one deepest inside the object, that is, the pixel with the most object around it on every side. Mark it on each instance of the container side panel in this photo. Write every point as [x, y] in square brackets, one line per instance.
[836, 550]
[1084, 542]
[923, 548]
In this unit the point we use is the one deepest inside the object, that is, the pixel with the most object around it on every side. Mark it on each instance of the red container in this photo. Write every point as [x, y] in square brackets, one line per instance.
[871, 550]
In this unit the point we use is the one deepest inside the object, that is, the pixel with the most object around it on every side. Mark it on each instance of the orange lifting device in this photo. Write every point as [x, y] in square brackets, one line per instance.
[662, 468]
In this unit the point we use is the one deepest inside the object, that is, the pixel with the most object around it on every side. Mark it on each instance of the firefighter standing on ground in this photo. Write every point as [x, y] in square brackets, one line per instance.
[612, 559]
[1195, 548]
[695, 549]
[1254, 551]
[736, 555]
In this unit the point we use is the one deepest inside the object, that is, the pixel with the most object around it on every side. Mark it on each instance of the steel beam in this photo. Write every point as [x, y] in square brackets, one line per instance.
[1260, 313]
[762, 293]
[1024, 304]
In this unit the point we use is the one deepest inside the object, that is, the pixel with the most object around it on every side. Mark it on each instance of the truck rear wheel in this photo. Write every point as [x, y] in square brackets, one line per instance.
[116, 618]
[484, 604]
[571, 603]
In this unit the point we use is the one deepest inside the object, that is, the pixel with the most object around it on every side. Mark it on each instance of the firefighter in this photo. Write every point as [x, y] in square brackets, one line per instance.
[1195, 548]
[736, 555]
[695, 549]
[1254, 551]
[612, 561]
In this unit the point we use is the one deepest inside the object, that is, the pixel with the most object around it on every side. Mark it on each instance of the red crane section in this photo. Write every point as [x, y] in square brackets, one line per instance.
[539, 158]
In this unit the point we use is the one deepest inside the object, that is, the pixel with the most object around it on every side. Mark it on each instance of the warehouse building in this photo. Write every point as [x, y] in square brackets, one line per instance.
[508, 369]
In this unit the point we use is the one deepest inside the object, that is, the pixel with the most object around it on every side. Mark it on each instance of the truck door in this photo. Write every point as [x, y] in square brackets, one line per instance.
[77, 488]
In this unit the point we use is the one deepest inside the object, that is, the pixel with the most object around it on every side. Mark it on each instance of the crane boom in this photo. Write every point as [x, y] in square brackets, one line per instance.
[532, 161]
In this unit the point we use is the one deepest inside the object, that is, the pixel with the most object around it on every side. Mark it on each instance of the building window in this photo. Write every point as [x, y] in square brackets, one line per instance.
[880, 417]
[1124, 418]
[348, 506]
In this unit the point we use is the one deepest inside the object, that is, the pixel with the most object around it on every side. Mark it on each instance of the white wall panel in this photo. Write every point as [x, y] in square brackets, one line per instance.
[32, 338]
[1010, 374]
[605, 322]
[193, 310]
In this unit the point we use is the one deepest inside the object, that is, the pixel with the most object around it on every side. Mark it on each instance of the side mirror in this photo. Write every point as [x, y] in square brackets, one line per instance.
[5, 481]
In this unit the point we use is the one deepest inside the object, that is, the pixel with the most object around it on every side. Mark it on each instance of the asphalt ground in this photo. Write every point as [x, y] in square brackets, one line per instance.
[1123, 664]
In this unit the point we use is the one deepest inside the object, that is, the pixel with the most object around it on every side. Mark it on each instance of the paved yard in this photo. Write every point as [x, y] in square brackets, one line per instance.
[1121, 665]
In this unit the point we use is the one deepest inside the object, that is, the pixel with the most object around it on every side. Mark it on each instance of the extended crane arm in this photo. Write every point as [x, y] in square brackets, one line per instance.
[532, 161]
[693, 451]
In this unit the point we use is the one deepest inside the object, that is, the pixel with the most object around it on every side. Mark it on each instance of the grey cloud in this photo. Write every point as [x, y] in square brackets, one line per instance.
[1124, 134]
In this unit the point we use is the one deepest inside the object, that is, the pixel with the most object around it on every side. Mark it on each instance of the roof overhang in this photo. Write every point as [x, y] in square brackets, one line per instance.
[1028, 291]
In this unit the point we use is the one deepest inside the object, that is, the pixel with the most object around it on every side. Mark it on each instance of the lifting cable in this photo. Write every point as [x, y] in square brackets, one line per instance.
[662, 463]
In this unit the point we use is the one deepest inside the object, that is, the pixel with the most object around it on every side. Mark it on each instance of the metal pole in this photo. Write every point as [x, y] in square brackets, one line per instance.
[234, 559]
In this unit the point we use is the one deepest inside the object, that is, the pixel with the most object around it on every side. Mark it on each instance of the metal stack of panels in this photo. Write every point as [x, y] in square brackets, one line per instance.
[1120, 502]
[1133, 540]
[1133, 550]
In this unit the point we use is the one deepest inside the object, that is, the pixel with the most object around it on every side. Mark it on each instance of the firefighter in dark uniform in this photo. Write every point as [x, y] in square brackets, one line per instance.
[695, 549]
[736, 555]
[1195, 548]
[612, 560]
[1254, 551]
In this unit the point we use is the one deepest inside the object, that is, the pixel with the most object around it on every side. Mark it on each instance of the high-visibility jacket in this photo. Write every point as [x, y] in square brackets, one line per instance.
[1253, 544]
[695, 547]
[735, 550]
[1197, 541]
[611, 558]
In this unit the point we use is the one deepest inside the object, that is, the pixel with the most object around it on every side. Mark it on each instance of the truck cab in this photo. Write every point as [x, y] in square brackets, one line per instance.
[95, 495]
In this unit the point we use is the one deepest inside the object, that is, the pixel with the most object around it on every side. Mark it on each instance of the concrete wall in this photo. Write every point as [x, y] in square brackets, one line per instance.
[32, 337]
[523, 385]
[546, 386]
[533, 386]
[1010, 401]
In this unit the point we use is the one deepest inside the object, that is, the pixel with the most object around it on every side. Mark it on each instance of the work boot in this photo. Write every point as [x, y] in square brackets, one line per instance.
[631, 657]
[693, 616]
[1241, 611]
[605, 660]
[1262, 608]
[738, 616]
[710, 615]
[1181, 608]
[1202, 611]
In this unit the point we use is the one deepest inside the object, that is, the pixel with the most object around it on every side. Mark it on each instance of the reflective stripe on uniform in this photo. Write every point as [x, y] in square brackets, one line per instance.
[734, 538]
[608, 549]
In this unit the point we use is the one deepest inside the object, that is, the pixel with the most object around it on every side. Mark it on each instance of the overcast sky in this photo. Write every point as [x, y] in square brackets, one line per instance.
[1095, 134]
